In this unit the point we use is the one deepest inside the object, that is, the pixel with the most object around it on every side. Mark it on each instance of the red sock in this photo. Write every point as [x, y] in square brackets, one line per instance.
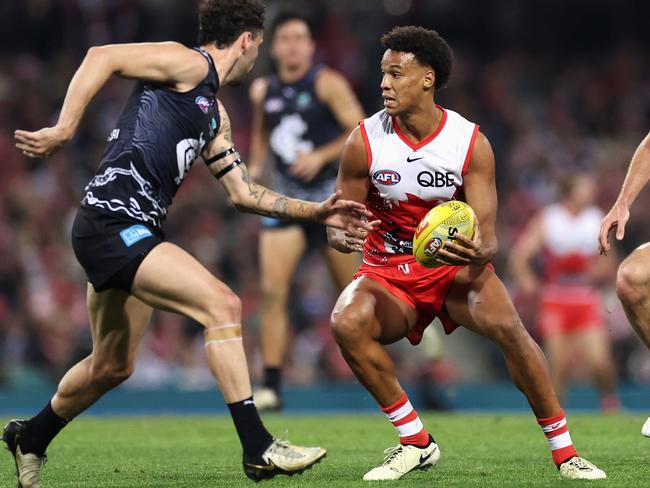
[556, 431]
[405, 419]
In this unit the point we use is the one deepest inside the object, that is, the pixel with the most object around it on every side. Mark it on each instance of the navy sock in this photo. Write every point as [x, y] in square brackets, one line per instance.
[273, 378]
[40, 431]
[254, 437]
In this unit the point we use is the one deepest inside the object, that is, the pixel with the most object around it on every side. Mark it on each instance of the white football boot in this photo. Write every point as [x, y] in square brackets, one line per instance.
[645, 430]
[282, 457]
[578, 468]
[402, 459]
[266, 399]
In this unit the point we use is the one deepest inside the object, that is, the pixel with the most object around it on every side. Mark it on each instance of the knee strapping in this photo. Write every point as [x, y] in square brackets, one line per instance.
[223, 333]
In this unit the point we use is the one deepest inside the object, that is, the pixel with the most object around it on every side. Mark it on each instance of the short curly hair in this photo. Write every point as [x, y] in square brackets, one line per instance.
[289, 16]
[428, 47]
[222, 21]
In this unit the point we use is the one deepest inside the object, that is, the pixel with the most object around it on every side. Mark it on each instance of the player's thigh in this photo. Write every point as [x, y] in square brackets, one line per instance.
[558, 349]
[479, 301]
[367, 308]
[118, 322]
[171, 279]
[280, 250]
[635, 269]
[341, 266]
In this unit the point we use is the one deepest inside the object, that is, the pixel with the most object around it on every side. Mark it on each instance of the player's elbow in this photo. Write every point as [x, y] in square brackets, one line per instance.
[241, 202]
[100, 56]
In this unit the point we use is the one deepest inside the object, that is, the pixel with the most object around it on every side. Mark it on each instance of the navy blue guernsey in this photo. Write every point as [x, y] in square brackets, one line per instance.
[158, 137]
[298, 121]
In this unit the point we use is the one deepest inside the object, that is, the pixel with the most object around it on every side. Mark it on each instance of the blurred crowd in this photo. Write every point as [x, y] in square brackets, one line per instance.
[553, 99]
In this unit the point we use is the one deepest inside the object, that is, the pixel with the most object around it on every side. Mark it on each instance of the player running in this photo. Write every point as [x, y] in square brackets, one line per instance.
[571, 321]
[633, 279]
[302, 114]
[404, 160]
[171, 119]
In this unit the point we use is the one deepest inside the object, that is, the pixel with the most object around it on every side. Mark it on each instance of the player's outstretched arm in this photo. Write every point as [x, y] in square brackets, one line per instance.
[168, 63]
[637, 177]
[224, 162]
[481, 194]
[353, 183]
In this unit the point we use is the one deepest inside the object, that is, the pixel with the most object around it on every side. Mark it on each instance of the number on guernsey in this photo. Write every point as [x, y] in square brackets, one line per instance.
[187, 151]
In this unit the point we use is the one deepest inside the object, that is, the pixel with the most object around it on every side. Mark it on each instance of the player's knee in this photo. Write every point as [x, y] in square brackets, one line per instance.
[632, 281]
[225, 308]
[108, 375]
[349, 326]
[273, 295]
[508, 331]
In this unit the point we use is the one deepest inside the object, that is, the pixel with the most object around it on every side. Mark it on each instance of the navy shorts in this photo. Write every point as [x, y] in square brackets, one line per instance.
[316, 234]
[110, 247]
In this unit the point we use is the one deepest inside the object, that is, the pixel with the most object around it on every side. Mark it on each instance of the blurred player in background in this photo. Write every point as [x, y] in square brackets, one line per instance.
[403, 161]
[633, 280]
[302, 115]
[570, 314]
[171, 119]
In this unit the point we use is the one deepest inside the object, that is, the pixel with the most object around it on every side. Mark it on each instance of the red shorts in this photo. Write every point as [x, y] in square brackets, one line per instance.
[424, 289]
[564, 310]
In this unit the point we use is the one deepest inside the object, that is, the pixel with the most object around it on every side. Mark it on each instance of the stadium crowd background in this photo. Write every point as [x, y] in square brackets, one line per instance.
[556, 86]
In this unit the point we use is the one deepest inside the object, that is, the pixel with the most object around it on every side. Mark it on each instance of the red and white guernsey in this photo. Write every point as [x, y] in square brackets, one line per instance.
[571, 246]
[408, 179]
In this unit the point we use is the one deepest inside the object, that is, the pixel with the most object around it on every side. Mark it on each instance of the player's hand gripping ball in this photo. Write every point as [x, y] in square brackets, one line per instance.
[442, 223]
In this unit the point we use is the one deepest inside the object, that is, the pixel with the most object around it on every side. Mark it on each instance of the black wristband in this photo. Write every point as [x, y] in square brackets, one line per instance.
[228, 168]
[221, 155]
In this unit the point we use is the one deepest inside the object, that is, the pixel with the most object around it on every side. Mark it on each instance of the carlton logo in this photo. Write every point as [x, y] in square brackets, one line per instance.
[387, 177]
[203, 103]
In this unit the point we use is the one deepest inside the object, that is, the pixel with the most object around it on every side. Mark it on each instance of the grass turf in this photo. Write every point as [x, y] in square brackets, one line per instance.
[477, 450]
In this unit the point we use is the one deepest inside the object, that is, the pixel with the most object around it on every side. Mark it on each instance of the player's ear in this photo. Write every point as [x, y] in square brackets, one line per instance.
[429, 80]
[246, 39]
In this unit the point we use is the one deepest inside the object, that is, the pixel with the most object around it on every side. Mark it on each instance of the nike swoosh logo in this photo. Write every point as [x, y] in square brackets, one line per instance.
[409, 160]
[424, 458]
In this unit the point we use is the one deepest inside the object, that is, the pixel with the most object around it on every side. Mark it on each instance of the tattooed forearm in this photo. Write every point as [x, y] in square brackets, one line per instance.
[279, 208]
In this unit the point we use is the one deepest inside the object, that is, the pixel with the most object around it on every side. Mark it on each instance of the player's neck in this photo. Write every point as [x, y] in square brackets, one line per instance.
[572, 208]
[291, 74]
[224, 60]
[420, 124]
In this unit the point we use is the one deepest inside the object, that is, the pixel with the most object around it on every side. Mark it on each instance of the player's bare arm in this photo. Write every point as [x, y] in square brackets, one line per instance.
[335, 92]
[259, 149]
[169, 63]
[637, 177]
[481, 195]
[353, 183]
[529, 245]
[225, 163]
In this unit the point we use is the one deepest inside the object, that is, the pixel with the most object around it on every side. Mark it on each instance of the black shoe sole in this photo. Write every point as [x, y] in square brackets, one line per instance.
[257, 472]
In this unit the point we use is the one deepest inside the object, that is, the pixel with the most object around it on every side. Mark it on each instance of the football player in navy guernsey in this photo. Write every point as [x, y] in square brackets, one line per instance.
[403, 161]
[302, 115]
[171, 119]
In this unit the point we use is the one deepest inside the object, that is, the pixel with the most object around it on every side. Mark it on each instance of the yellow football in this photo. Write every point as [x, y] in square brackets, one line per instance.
[439, 225]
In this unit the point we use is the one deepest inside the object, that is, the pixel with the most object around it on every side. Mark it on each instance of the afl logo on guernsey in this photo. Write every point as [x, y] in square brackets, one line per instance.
[387, 177]
[203, 103]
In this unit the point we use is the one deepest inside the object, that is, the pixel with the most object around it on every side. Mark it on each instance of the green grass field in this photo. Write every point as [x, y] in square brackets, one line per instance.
[477, 450]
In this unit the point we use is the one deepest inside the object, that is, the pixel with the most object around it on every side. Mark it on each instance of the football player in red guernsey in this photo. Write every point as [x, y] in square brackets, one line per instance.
[403, 161]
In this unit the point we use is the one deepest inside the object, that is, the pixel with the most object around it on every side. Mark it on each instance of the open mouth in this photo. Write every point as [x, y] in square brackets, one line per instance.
[388, 100]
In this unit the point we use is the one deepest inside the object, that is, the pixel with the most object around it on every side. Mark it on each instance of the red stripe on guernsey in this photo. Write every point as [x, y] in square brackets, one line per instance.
[470, 150]
[419, 145]
[366, 142]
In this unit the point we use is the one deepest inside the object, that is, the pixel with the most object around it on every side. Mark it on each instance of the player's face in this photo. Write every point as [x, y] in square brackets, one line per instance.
[246, 61]
[583, 190]
[405, 84]
[292, 44]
